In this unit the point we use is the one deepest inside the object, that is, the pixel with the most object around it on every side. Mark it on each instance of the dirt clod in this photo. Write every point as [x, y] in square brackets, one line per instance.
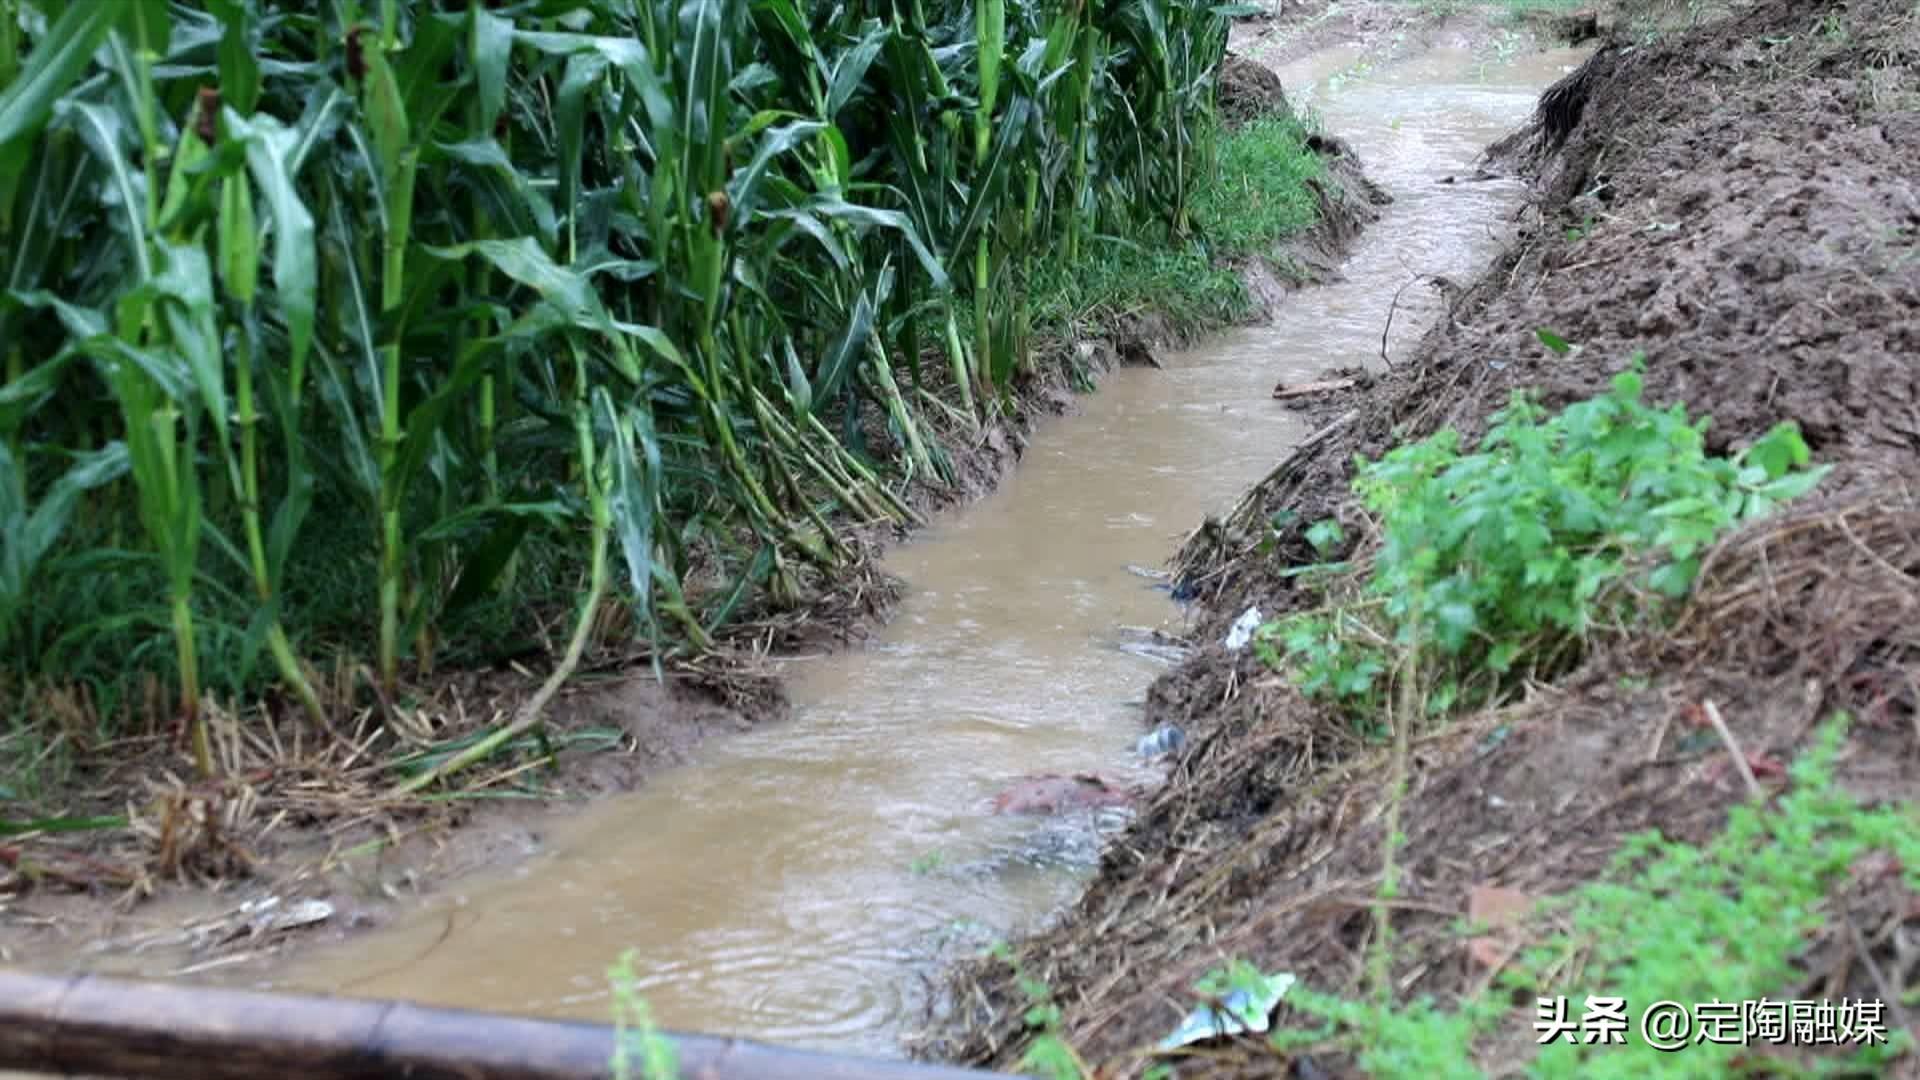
[1249, 90]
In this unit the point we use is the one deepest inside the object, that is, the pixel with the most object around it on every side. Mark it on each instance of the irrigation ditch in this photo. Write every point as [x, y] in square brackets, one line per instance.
[1728, 200]
[1721, 201]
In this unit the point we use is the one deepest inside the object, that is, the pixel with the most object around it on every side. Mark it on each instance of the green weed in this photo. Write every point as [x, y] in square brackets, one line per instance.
[637, 1042]
[1258, 193]
[1669, 922]
[1497, 564]
[1048, 1054]
[1255, 197]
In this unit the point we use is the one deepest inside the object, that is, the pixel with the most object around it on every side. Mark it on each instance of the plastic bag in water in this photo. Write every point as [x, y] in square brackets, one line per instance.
[1163, 740]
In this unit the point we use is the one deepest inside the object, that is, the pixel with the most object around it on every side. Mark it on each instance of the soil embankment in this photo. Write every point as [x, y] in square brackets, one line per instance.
[1738, 203]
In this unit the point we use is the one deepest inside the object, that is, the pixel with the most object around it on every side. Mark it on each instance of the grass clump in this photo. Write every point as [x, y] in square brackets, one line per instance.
[1725, 922]
[1258, 193]
[1497, 564]
[1256, 196]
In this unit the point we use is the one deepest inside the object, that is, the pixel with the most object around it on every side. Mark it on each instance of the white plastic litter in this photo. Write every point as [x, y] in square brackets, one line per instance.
[1163, 740]
[1243, 629]
[1246, 1011]
[267, 914]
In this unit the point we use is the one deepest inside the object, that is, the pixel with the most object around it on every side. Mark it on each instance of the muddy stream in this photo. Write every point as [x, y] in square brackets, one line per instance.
[799, 883]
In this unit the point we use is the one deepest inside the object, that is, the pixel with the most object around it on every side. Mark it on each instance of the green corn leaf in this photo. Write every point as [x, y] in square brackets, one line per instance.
[424, 421]
[104, 134]
[386, 112]
[568, 292]
[846, 349]
[61, 824]
[121, 360]
[869, 217]
[706, 77]
[290, 514]
[30, 535]
[187, 280]
[743, 189]
[584, 72]
[987, 189]
[59, 58]
[805, 221]
[523, 260]
[78, 321]
[799, 387]
[850, 71]
[486, 562]
[754, 576]
[21, 397]
[239, 65]
[491, 47]
[990, 41]
[631, 500]
[517, 207]
[472, 520]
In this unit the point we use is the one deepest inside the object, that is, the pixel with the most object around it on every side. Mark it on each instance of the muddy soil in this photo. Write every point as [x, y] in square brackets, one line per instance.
[305, 827]
[1371, 30]
[1739, 204]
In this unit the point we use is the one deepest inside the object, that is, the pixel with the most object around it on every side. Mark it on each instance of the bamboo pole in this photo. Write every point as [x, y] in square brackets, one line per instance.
[90, 1025]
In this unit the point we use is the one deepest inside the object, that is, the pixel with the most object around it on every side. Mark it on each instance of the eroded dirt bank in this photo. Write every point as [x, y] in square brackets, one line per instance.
[1739, 204]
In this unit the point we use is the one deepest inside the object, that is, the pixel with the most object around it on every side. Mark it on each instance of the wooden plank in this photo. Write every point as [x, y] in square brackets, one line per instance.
[93, 1025]
[1300, 390]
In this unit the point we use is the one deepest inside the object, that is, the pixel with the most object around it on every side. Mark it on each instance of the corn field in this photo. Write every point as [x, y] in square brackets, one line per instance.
[324, 299]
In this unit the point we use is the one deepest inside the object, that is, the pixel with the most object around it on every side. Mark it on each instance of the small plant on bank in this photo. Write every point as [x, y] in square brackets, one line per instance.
[1670, 921]
[1723, 923]
[1049, 1055]
[1496, 564]
[633, 1031]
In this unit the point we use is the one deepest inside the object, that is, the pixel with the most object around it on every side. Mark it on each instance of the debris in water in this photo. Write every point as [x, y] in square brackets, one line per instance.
[1284, 391]
[1051, 793]
[1243, 629]
[1165, 740]
[1165, 654]
[1151, 644]
[1247, 1010]
[267, 915]
[1141, 571]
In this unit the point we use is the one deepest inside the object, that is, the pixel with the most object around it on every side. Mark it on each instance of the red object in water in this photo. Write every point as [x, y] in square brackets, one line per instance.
[1051, 793]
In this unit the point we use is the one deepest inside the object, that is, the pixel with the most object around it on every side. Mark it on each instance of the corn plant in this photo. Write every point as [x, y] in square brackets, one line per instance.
[338, 323]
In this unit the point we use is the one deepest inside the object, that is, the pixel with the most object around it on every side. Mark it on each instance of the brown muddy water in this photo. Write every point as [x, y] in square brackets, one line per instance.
[799, 884]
